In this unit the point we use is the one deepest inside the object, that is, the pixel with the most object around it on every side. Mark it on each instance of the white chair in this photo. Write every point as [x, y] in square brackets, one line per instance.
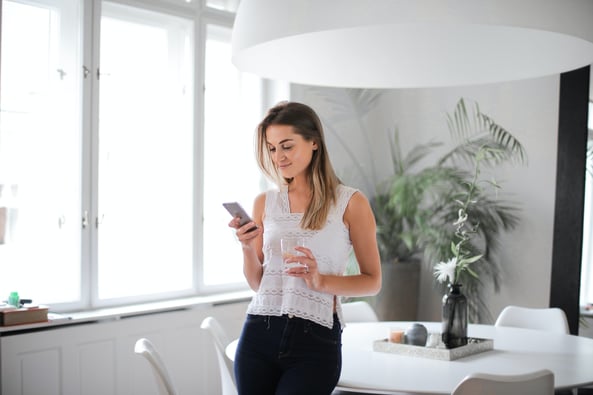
[146, 349]
[550, 319]
[359, 311]
[221, 341]
[540, 382]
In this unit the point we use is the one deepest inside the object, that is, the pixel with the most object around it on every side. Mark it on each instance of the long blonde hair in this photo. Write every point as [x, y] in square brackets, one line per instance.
[320, 173]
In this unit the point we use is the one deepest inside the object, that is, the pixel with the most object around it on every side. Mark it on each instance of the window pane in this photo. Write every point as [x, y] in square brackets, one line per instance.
[40, 155]
[145, 239]
[232, 109]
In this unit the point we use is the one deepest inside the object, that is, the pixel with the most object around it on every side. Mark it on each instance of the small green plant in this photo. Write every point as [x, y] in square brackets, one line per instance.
[463, 257]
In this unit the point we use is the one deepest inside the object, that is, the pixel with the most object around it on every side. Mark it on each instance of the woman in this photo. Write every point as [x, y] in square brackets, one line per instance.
[291, 339]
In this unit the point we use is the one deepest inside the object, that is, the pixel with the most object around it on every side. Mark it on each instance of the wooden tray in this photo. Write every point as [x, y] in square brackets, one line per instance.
[474, 346]
[23, 315]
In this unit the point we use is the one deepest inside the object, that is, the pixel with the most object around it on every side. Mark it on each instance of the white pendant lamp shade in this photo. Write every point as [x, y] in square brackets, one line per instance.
[411, 43]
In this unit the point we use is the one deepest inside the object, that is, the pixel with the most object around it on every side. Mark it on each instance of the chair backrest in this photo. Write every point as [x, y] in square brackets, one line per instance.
[550, 319]
[359, 311]
[145, 348]
[221, 341]
[540, 382]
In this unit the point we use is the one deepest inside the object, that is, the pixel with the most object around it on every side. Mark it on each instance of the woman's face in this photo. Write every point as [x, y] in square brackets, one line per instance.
[290, 152]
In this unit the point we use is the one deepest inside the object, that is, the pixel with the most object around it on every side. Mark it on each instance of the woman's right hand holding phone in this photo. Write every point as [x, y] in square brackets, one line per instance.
[246, 233]
[249, 233]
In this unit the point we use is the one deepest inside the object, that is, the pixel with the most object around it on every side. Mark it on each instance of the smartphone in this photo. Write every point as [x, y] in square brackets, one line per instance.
[236, 210]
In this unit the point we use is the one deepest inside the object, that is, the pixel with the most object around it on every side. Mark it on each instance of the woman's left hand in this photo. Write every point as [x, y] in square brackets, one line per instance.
[307, 270]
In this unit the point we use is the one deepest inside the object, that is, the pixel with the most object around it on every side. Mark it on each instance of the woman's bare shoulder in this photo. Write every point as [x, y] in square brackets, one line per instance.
[358, 200]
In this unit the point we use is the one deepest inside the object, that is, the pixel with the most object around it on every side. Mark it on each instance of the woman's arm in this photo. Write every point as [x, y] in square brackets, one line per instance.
[252, 243]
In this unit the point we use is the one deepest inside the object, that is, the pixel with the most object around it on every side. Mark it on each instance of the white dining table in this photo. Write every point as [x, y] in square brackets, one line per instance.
[515, 351]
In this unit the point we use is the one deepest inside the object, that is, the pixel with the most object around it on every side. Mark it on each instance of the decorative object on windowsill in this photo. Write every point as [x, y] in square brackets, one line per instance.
[455, 308]
[19, 311]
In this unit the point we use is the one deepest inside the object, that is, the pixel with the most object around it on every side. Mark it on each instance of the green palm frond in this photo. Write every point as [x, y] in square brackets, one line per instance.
[474, 130]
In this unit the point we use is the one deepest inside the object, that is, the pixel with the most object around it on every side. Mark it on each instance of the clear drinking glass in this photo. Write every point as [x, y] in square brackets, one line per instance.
[288, 245]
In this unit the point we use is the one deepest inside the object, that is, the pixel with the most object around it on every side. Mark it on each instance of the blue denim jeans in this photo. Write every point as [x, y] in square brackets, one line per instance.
[284, 355]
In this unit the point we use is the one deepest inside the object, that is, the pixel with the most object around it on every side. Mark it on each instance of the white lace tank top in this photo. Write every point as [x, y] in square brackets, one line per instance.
[280, 294]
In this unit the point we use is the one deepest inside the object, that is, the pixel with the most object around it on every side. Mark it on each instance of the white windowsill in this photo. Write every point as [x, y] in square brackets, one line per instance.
[115, 313]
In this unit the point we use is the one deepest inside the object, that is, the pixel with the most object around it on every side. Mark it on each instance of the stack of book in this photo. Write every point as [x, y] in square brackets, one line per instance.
[10, 315]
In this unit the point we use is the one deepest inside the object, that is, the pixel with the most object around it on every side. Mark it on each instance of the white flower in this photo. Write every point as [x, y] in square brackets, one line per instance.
[445, 271]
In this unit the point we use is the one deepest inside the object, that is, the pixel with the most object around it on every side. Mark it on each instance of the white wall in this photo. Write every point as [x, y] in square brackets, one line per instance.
[529, 109]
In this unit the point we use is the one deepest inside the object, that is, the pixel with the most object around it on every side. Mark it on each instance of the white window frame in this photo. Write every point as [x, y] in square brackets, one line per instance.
[201, 16]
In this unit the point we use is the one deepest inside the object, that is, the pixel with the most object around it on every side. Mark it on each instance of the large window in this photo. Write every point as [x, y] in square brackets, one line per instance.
[118, 143]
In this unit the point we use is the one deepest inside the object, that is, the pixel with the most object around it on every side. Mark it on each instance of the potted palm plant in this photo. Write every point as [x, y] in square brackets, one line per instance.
[402, 210]
[417, 205]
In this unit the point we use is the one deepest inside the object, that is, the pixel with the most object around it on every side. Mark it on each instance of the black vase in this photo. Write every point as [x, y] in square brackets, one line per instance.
[454, 331]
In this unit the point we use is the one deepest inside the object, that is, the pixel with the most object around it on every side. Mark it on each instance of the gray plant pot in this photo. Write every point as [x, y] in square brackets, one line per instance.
[398, 298]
